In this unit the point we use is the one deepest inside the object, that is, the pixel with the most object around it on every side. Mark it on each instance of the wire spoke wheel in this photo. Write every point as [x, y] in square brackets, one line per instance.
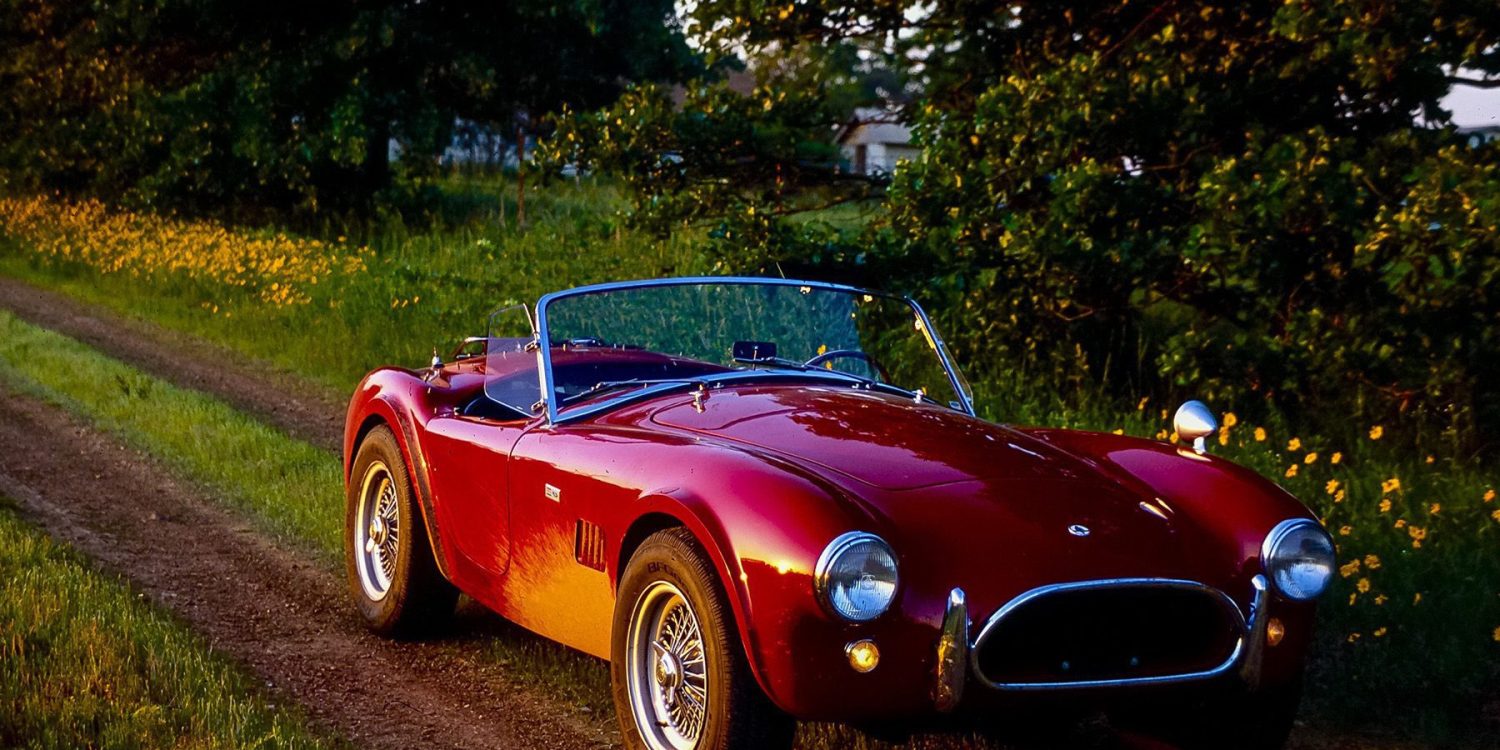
[377, 531]
[667, 669]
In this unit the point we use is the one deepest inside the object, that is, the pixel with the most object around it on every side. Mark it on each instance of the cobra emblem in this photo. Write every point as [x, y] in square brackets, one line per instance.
[1078, 529]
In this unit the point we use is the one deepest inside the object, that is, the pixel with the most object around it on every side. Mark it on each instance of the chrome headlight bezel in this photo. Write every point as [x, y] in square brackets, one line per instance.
[1274, 557]
[828, 564]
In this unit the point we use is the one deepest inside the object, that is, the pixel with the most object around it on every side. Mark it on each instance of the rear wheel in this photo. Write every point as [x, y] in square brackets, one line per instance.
[391, 570]
[680, 679]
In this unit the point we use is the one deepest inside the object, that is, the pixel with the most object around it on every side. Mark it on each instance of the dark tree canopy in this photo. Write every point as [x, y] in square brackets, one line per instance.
[1226, 199]
[212, 103]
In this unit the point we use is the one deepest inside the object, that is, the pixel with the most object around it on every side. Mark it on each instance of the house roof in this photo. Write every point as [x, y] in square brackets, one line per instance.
[872, 125]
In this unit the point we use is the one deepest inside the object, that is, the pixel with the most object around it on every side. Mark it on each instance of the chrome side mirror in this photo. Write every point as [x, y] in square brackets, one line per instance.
[1195, 422]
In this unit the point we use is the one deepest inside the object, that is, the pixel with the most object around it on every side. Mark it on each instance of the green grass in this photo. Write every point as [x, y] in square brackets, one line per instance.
[291, 487]
[85, 663]
[1410, 646]
[421, 291]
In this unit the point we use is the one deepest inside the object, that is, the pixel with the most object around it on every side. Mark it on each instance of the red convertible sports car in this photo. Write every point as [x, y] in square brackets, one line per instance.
[765, 500]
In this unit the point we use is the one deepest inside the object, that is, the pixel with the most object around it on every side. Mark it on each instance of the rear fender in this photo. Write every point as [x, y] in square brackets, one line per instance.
[389, 397]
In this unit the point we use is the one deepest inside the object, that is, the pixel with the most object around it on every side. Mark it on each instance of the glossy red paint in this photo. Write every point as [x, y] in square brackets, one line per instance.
[766, 475]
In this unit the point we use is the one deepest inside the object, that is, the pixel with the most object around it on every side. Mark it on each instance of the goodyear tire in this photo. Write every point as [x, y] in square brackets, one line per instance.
[680, 679]
[391, 570]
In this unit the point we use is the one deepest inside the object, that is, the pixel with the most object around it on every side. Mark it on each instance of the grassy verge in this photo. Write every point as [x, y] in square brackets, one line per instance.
[289, 488]
[85, 663]
[1410, 635]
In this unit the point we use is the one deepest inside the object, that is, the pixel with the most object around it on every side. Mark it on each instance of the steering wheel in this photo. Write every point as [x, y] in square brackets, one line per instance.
[829, 356]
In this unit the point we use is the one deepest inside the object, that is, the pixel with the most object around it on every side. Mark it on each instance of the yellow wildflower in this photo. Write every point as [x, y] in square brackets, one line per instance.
[1391, 485]
[1295, 444]
[1489, 495]
[1497, 635]
[1223, 437]
[1372, 562]
[1338, 497]
[1430, 459]
[1349, 568]
[1380, 600]
[1346, 530]
[1336, 458]
[1495, 515]
[1416, 599]
[1400, 523]
[1260, 434]
[1118, 431]
[1230, 419]
[1310, 458]
[1435, 508]
[1332, 486]
[1385, 505]
[1377, 432]
[1379, 632]
[1142, 405]
[1363, 585]
[1291, 471]
[1353, 637]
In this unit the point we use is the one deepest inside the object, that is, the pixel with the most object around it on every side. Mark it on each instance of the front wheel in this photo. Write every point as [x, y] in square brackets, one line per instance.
[680, 679]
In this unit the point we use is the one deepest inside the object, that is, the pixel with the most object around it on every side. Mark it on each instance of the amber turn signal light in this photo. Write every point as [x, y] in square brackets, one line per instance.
[863, 655]
[1275, 631]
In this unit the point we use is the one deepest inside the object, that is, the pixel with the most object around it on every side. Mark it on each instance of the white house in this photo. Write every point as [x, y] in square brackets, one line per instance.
[874, 140]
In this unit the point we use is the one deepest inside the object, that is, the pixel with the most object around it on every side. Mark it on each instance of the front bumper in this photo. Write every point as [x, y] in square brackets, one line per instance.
[955, 649]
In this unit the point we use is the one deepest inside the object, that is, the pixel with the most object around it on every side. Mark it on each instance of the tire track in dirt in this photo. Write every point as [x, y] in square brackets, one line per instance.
[285, 618]
[300, 408]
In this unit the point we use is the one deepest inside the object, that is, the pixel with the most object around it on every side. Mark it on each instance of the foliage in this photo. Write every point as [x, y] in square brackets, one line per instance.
[762, 144]
[213, 106]
[1223, 199]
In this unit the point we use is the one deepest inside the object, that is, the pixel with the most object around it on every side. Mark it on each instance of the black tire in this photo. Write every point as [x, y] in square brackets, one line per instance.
[1238, 720]
[739, 716]
[417, 599]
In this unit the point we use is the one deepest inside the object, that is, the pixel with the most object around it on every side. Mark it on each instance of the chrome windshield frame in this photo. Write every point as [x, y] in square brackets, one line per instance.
[544, 352]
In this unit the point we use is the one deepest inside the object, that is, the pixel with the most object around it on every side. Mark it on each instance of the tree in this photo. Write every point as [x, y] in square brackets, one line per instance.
[1234, 200]
[204, 104]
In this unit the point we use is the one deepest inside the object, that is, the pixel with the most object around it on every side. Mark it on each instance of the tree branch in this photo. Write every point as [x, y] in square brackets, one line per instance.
[1478, 83]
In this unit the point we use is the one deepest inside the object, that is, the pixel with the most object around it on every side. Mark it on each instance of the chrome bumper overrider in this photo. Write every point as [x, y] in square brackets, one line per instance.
[955, 646]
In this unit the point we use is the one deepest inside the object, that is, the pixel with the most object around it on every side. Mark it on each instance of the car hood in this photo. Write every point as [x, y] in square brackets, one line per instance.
[988, 491]
[881, 440]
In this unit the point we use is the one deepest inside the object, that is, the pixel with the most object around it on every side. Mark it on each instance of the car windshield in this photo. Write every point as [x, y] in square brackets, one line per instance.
[615, 341]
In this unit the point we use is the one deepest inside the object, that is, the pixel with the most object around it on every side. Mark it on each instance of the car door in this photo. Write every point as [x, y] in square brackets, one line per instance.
[470, 482]
[470, 473]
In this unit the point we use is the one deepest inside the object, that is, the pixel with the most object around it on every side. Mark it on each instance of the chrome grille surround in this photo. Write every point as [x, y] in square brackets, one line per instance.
[1236, 618]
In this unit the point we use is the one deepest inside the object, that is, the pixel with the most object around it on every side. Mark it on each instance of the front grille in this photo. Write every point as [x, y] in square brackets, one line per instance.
[1109, 632]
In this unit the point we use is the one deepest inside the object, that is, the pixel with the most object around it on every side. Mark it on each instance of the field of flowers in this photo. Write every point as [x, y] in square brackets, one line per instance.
[1409, 639]
[277, 269]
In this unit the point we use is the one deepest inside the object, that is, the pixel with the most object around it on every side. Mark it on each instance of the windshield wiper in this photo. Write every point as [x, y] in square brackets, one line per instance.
[609, 385]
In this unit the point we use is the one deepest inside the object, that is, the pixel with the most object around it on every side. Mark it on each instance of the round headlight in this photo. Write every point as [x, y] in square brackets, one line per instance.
[856, 576]
[1298, 557]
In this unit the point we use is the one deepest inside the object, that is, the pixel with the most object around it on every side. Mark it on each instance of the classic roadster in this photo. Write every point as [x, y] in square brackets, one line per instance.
[765, 500]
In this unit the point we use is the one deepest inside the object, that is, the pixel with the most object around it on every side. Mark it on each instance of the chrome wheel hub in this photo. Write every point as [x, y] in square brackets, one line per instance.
[376, 531]
[667, 670]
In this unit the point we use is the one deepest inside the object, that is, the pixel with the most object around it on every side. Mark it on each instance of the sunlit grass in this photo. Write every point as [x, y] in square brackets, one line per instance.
[85, 663]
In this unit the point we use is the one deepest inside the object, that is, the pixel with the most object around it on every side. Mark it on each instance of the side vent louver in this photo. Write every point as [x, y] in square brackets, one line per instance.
[588, 545]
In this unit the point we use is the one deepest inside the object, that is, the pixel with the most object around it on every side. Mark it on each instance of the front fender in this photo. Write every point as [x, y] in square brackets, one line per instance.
[764, 530]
